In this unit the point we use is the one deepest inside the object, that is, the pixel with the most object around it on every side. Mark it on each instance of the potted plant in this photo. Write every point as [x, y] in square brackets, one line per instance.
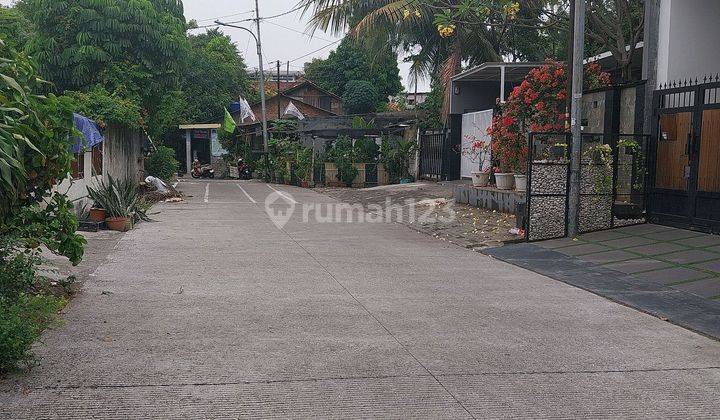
[520, 182]
[479, 151]
[504, 180]
[600, 161]
[97, 214]
[120, 201]
[346, 172]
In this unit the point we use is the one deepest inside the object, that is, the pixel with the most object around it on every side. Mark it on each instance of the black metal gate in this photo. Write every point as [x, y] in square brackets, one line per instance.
[439, 157]
[684, 181]
[432, 154]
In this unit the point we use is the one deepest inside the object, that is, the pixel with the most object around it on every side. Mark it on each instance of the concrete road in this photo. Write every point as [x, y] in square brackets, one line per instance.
[215, 312]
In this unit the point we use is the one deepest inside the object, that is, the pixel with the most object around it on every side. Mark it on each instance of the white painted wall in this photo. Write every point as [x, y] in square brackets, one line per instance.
[688, 39]
[76, 189]
[474, 126]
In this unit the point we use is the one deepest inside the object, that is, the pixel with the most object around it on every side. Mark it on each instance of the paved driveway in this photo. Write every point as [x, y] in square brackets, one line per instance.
[214, 311]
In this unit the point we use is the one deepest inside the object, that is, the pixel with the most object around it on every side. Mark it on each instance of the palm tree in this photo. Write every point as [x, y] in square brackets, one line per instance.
[406, 25]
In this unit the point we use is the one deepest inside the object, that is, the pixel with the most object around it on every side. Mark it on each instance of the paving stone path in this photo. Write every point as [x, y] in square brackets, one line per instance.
[682, 259]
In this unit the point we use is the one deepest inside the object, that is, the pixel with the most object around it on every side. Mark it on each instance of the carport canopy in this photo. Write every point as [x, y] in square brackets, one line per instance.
[497, 72]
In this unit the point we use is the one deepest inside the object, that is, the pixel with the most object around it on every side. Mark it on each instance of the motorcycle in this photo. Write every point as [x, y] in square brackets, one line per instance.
[202, 171]
[244, 171]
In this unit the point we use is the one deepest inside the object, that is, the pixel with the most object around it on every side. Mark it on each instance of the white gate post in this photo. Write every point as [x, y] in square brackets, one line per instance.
[188, 152]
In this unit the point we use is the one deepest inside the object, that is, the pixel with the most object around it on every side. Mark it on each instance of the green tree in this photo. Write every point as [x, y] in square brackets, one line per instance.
[439, 34]
[35, 136]
[215, 76]
[135, 43]
[354, 61]
[162, 163]
[14, 27]
[360, 97]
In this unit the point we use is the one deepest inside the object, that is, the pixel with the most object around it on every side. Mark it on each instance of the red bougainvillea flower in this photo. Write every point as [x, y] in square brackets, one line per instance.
[508, 121]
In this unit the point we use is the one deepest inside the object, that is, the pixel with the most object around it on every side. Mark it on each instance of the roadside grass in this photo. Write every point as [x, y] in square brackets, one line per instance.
[29, 303]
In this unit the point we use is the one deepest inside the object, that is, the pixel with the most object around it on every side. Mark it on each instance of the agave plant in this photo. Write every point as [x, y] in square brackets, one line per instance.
[119, 198]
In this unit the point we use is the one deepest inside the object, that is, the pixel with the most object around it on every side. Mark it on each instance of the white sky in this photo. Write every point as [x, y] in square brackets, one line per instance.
[278, 43]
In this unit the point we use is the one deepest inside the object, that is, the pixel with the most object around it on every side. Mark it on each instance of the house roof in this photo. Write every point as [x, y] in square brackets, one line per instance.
[491, 72]
[308, 82]
[282, 95]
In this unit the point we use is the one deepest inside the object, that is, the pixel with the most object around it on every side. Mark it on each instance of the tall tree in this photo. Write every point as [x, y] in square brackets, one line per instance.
[82, 43]
[617, 26]
[354, 61]
[442, 35]
[215, 75]
[439, 33]
[14, 27]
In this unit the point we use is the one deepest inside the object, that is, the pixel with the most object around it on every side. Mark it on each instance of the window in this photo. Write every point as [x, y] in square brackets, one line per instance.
[97, 159]
[78, 166]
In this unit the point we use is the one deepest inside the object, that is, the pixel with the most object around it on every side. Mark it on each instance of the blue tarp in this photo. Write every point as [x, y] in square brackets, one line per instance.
[234, 107]
[90, 133]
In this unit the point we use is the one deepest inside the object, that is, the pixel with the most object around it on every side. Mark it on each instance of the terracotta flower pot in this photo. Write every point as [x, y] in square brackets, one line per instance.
[117, 223]
[305, 184]
[97, 215]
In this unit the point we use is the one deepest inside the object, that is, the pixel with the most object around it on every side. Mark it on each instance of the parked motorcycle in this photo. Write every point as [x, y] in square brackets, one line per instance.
[202, 171]
[244, 171]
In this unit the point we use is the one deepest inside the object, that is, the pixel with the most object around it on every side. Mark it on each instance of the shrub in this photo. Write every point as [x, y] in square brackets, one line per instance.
[366, 150]
[35, 137]
[304, 164]
[22, 320]
[282, 152]
[17, 269]
[360, 97]
[342, 155]
[24, 310]
[396, 154]
[536, 105]
[162, 163]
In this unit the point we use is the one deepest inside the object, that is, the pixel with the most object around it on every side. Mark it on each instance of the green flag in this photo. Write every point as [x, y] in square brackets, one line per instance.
[228, 123]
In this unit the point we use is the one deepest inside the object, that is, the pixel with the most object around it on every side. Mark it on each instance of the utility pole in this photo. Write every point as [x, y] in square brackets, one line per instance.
[261, 77]
[278, 88]
[576, 117]
[262, 80]
[288, 71]
[569, 64]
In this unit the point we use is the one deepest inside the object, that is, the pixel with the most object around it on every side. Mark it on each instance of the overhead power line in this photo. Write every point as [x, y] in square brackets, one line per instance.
[226, 16]
[299, 32]
[295, 9]
[314, 51]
